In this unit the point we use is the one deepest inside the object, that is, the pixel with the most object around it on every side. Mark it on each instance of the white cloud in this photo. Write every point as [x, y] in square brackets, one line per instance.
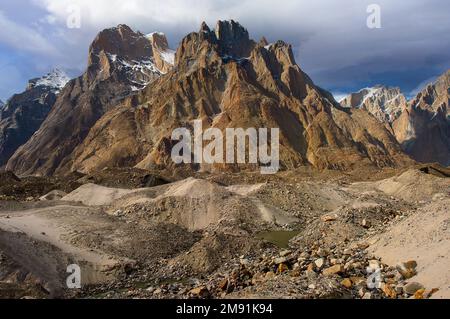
[330, 33]
[22, 37]
[331, 39]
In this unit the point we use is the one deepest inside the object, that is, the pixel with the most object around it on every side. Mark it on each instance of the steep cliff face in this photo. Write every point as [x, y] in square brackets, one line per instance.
[423, 129]
[435, 97]
[425, 135]
[24, 113]
[164, 57]
[227, 80]
[120, 63]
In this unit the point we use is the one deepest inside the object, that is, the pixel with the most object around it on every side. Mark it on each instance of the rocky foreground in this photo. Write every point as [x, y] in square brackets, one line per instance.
[303, 234]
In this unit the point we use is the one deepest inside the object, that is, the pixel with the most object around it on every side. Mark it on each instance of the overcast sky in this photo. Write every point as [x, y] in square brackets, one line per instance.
[331, 39]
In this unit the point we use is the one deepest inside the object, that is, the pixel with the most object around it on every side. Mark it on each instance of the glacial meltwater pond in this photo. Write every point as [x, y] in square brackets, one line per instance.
[278, 238]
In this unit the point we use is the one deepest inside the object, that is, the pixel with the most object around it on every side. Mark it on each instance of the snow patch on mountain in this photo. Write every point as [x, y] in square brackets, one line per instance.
[113, 57]
[161, 47]
[339, 96]
[143, 66]
[139, 73]
[150, 35]
[369, 93]
[267, 47]
[168, 56]
[57, 79]
[383, 102]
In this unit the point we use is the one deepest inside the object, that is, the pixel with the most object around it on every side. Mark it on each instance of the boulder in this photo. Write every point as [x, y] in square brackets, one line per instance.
[333, 270]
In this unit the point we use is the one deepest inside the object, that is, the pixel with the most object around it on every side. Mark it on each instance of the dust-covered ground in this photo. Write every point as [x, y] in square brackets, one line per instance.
[298, 234]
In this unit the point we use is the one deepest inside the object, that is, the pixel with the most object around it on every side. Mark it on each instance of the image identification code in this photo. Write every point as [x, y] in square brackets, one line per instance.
[229, 309]
[246, 309]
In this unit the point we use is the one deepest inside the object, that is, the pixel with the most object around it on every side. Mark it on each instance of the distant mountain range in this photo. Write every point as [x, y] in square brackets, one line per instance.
[385, 103]
[136, 90]
[421, 126]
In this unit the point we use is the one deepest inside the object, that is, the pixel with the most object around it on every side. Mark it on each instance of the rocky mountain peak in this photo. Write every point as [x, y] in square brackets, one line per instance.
[263, 42]
[423, 129]
[228, 41]
[421, 126]
[24, 112]
[120, 63]
[1, 104]
[55, 80]
[129, 55]
[121, 41]
[234, 39]
[283, 52]
[230, 31]
[435, 97]
[158, 40]
[204, 27]
[385, 103]
[164, 56]
[223, 78]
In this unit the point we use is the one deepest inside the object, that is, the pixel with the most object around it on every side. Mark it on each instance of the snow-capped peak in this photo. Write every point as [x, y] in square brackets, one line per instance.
[56, 79]
[168, 56]
[369, 93]
[150, 35]
[386, 103]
